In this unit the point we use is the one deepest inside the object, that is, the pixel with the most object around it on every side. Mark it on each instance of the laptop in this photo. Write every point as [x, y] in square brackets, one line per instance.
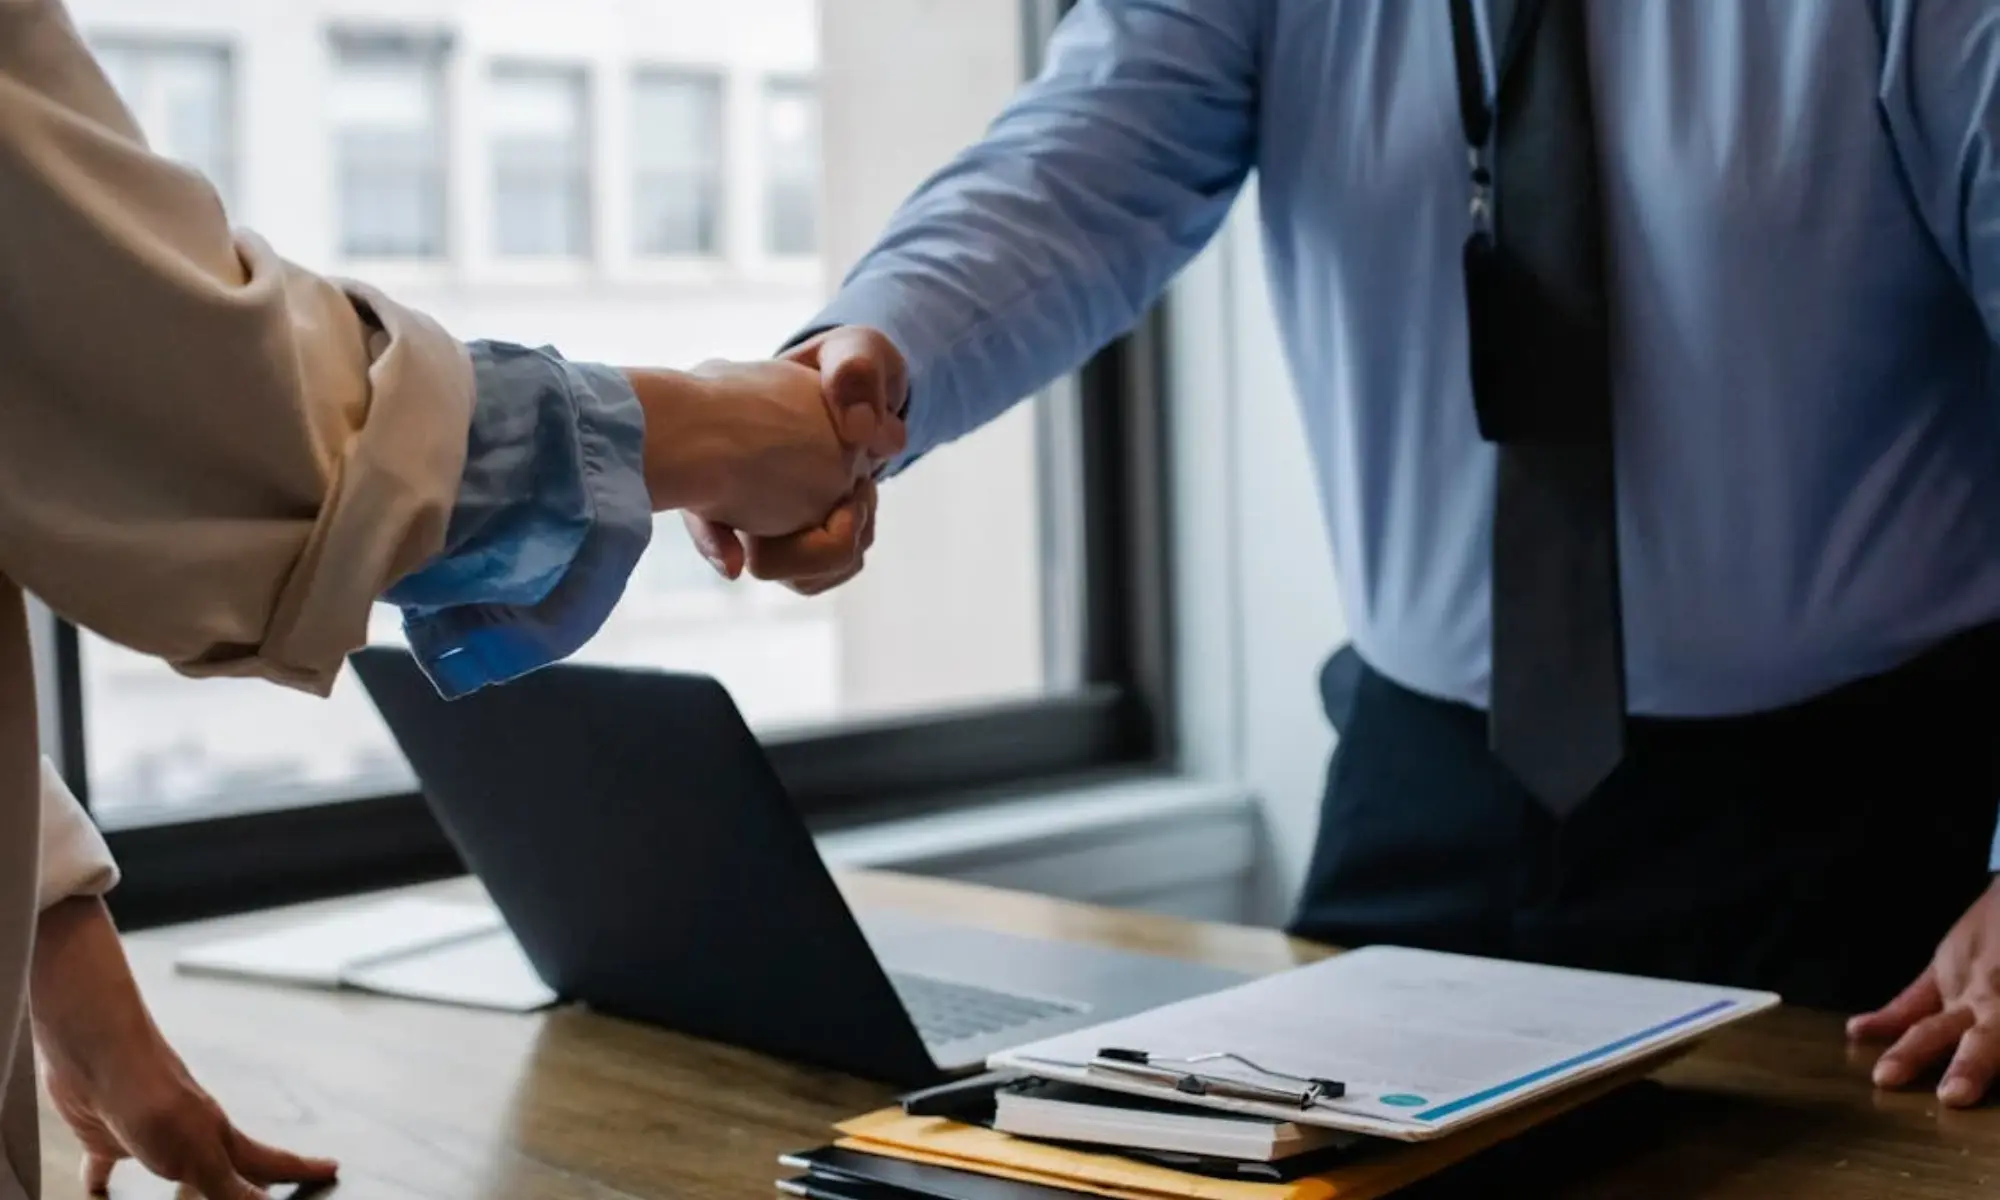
[630, 829]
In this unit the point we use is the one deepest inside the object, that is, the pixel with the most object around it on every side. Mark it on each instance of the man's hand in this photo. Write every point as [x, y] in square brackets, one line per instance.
[752, 446]
[863, 384]
[1951, 1012]
[118, 1084]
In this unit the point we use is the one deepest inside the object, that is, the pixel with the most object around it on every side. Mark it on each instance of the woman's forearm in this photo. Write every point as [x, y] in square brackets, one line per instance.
[86, 1006]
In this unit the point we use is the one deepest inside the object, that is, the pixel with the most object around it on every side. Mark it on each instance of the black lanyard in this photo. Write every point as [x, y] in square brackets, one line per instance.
[1476, 101]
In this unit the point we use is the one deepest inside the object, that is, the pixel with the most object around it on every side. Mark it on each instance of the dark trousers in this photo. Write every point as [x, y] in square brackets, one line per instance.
[1819, 851]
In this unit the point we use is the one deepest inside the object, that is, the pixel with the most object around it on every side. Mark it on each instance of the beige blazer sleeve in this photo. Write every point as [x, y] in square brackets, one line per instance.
[74, 858]
[210, 454]
[206, 453]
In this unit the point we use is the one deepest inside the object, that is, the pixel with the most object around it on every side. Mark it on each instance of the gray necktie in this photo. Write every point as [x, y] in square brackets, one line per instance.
[1538, 312]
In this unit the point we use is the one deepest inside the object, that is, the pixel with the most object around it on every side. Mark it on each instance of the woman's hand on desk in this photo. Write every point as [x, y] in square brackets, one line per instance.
[120, 1086]
[1950, 1017]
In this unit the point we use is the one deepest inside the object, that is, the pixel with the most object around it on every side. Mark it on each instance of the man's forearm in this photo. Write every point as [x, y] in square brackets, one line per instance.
[1050, 237]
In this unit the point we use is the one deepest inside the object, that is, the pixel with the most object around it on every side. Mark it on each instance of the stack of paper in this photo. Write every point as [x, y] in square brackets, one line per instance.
[1378, 1171]
[1419, 1059]
[1051, 1111]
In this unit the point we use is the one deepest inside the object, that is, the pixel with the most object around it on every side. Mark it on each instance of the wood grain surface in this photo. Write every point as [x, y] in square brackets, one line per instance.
[423, 1102]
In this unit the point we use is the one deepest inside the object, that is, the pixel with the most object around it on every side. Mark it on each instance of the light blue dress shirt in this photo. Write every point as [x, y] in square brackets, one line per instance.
[552, 515]
[1804, 226]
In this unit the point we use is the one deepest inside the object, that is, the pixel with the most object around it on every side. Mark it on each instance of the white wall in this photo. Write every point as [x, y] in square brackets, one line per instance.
[1256, 604]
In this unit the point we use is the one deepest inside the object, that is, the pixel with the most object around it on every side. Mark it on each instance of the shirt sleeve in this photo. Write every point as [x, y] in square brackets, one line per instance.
[213, 455]
[74, 858]
[1050, 237]
[551, 516]
[1940, 95]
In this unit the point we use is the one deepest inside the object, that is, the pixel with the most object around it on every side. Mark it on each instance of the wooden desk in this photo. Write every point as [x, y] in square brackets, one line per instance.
[430, 1103]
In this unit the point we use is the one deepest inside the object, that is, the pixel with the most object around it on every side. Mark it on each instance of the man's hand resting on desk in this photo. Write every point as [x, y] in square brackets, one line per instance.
[118, 1084]
[1950, 1017]
[863, 384]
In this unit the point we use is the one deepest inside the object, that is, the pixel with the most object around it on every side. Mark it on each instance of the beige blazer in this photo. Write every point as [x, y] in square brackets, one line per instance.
[206, 453]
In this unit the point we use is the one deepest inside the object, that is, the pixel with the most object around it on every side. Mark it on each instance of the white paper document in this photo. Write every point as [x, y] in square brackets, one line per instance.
[451, 953]
[1423, 1042]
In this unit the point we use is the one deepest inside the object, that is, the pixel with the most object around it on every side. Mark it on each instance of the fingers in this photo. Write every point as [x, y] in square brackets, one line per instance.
[1921, 999]
[1973, 1068]
[820, 584]
[216, 1179]
[97, 1172]
[835, 547]
[716, 543]
[1921, 1047]
[865, 381]
[264, 1164]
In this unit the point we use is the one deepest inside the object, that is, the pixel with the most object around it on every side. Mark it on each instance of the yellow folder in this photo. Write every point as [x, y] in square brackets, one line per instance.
[1378, 1171]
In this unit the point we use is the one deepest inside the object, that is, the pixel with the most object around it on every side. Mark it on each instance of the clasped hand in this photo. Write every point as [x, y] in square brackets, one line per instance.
[773, 464]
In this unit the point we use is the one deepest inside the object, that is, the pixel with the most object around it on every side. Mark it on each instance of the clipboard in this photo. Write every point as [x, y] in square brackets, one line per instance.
[1396, 1043]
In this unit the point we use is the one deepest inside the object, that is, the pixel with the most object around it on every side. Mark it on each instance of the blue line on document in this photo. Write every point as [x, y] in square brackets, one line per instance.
[1536, 1076]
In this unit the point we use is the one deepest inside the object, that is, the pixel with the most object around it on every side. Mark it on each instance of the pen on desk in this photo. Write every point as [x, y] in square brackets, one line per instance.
[806, 1188]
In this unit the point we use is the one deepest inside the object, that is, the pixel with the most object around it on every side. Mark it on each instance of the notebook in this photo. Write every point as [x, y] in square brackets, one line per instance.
[1393, 1042]
[1065, 1112]
[418, 949]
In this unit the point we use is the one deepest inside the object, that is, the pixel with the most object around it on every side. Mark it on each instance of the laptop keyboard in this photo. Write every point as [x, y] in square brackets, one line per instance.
[950, 1012]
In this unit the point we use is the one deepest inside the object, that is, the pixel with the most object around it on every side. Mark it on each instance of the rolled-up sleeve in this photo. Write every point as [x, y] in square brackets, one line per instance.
[212, 455]
[552, 514]
[222, 459]
[74, 858]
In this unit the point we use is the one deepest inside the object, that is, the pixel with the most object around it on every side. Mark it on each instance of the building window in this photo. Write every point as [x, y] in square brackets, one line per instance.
[791, 155]
[182, 95]
[389, 146]
[677, 164]
[540, 125]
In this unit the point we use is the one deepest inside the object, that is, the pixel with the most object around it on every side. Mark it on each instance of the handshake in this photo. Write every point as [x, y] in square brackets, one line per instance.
[772, 464]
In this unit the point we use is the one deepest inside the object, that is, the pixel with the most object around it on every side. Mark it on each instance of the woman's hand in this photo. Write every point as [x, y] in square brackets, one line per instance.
[120, 1086]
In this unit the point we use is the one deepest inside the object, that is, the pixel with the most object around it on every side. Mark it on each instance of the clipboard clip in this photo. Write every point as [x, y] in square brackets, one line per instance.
[1301, 1092]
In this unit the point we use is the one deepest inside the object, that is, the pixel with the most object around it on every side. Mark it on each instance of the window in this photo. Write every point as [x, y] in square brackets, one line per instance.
[677, 164]
[791, 153]
[389, 146]
[541, 162]
[1003, 630]
[182, 95]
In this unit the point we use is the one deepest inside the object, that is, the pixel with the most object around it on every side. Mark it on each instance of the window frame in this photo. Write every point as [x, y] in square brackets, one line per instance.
[770, 88]
[1102, 449]
[717, 80]
[583, 77]
[433, 49]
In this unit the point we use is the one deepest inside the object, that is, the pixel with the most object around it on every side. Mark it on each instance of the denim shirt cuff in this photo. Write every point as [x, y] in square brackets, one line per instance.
[556, 514]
